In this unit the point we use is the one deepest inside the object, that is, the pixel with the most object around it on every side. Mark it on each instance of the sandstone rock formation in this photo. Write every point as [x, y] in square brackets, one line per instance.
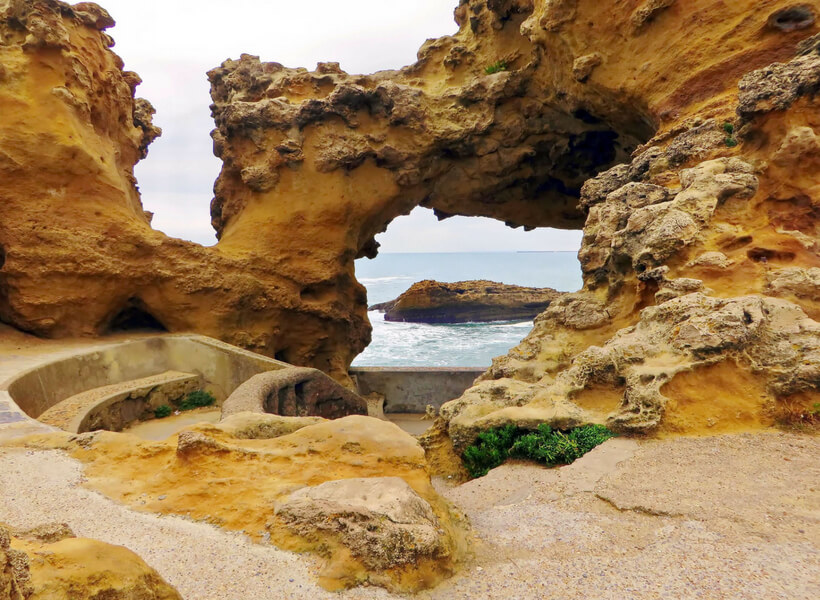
[380, 521]
[316, 164]
[50, 563]
[77, 254]
[464, 301]
[700, 301]
[695, 180]
[354, 490]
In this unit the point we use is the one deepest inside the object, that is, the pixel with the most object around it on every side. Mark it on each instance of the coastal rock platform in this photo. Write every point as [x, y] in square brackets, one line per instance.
[466, 301]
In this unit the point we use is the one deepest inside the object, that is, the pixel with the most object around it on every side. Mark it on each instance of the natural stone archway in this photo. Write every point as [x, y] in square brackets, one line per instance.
[317, 163]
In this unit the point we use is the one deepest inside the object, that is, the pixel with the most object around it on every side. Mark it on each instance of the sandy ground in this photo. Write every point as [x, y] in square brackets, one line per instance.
[730, 517]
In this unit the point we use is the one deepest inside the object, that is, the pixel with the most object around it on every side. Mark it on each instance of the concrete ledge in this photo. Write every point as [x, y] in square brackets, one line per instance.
[221, 367]
[114, 407]
[411, 389]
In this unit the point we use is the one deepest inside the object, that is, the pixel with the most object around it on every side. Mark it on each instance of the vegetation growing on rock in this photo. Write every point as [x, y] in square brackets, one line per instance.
[545, 445]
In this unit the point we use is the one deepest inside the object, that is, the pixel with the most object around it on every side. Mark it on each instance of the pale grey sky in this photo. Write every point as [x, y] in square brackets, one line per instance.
[172, 43]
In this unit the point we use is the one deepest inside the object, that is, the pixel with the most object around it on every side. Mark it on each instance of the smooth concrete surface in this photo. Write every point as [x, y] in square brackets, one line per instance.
[412, 389]
[51, 379]
[114, 407]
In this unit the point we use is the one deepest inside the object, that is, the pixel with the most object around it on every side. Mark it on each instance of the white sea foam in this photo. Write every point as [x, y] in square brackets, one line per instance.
[458, 344]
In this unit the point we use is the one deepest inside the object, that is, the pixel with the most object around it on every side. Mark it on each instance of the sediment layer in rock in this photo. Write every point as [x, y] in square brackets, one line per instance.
[466, 301]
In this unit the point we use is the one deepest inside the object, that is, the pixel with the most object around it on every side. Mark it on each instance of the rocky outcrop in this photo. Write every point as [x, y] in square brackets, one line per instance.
[699, 308]
[49, 562]
[15, 580]
[466, 301]
[78, 256]
[315, 165]
[571, 113]
[379, 520]
[294, 392]
[354, 490]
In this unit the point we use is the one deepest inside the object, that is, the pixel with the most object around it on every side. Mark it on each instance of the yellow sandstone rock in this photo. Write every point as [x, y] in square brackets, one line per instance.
[354, 490]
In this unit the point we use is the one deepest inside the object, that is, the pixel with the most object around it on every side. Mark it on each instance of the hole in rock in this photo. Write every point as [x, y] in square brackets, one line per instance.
[766, 255]
[135, 317]
[794, 17]
[418, 247]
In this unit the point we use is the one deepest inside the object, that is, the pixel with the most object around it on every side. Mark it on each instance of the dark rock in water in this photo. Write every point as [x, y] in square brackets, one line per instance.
[464, 301]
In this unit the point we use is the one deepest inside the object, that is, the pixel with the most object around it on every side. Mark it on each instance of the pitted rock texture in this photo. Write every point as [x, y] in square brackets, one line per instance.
[588, 99]
[379, 520]
[700, 260]
[77, 254]
[49, 563]
[354, 490]
[466, 301]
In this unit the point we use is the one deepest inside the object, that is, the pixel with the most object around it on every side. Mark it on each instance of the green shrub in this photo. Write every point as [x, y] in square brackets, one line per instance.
[499, 65]
[197, 399]
[728, 128]
[544, 445]
[491, 449]
[160, 412]
[731, 142]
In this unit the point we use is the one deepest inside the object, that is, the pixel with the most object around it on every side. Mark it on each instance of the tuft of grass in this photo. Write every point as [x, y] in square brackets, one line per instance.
[197, 399]
[160, 412]
[499, 65]
[545, 445]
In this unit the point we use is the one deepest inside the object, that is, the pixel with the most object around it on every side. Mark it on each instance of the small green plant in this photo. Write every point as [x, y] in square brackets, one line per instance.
[197, 399]
[160, 412]
[545, 445]
[499, 65]
[730, 140]
[492, 447]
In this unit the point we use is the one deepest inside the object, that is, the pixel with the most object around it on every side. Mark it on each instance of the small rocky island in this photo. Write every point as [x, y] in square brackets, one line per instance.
[466, 301]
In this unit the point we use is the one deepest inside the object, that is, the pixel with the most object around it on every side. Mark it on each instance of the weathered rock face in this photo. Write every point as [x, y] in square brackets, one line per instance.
[14, 570]
[700, 257]
[354, 490]
[315, 165]
[380, 521]
[464, 301]
[49, 562]
[531, 102]
[77, 253]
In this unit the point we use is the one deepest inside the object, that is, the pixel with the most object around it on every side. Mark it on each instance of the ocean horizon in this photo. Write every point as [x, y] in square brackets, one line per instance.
[462, 344]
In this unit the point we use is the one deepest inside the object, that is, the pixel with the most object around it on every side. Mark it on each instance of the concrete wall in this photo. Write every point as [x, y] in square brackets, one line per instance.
[411, 389]
[222, 367]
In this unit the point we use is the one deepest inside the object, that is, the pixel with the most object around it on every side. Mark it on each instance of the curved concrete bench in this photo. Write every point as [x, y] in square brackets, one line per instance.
[294, 392]
[114, 407]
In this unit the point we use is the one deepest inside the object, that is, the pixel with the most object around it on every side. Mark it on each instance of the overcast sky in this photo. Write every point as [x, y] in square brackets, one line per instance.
[172, 43]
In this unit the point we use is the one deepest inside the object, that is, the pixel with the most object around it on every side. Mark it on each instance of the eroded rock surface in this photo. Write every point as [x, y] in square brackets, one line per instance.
[700, 301]
[696, 182]
[50, 563]
[381, 521]
[464, 301]
[354, 490]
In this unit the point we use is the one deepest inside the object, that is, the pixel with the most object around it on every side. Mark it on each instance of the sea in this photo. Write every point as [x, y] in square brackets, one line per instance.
[460, 344]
